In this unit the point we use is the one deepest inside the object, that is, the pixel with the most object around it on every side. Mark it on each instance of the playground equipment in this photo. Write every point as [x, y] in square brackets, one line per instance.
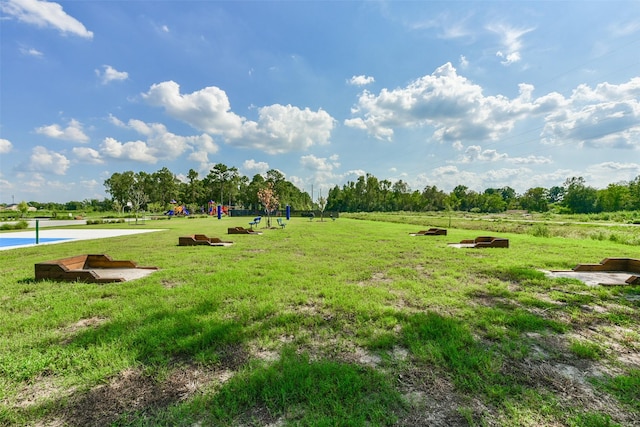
[201, 239]
[212, 208]
[430, 232]
[99, 268]
[482, 242]
[609, 272]
[178, 210]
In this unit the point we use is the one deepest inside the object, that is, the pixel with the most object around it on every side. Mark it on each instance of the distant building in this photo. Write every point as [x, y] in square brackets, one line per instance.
[14, 207]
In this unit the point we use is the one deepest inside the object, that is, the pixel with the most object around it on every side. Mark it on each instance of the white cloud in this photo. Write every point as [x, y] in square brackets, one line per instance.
[207, 109]
[602, 174]
[279, 129]
[45, 161]
[464, 63]
[5, 146]
[511, 40]
[529, 160]
[204, 143]
[132, 150]
[284, 128]
[44, 14]
[255, 167]
[317, 164]
[360, 80]
[110, 74]
[455, 107]
[202, 158]
[31, 52]
[87, 155]
[116, 121]
[159, 142]
[73, 132]
[605, 116]
[475, 153]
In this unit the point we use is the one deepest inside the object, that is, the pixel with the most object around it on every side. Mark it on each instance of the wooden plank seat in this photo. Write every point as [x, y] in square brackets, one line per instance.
[241, 230]
[201, 239]
[482, 242]
[91, 268]
[431, 232]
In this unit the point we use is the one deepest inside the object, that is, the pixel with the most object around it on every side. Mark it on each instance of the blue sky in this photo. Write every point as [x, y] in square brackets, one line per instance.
[478, 93]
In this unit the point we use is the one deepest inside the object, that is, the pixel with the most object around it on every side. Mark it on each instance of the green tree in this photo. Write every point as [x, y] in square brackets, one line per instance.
[23, 207]
[119, 185]
[578, 197]
[221, 178]
[164, 187]
[535, 200]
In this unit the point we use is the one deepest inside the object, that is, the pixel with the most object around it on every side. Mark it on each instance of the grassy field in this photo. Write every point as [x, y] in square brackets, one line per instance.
[337, 323]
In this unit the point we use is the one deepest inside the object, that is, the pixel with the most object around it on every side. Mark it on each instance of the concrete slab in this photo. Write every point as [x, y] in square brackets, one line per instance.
[595, 278]
[69, 235]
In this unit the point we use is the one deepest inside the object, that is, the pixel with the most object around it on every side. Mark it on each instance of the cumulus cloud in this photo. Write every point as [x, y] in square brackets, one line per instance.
[279, 129]
[5, 146]
[605, 116]
[44, 14]
[109, 74]
[285, 128]
[207, 109]
[159, 143]
[316, 164]
[73, 132]
[132, 150]
[457, 110]
[475, 153]
[602, 174]
[360, 80]
[87, 155]
[455, 107]
[45, 161]
[255, 167]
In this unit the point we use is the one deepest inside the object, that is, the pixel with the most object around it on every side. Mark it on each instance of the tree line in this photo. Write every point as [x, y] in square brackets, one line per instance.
[158, 191]
[222, 185]
[368, 194]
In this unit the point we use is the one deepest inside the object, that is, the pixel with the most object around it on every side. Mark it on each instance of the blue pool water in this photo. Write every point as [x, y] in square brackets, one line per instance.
[18, 241]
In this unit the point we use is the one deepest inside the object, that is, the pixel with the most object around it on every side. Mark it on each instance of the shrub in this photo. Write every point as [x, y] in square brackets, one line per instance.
[540, 230]
[20, 225]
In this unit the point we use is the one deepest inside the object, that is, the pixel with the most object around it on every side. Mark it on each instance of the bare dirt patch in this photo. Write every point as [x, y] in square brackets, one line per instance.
[434, 401]
[132, 391]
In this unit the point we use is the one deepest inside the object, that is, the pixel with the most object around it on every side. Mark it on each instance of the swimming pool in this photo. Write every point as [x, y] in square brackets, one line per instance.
[19, 241]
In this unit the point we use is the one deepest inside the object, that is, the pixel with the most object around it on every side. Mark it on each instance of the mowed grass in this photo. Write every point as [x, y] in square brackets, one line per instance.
[323, 323]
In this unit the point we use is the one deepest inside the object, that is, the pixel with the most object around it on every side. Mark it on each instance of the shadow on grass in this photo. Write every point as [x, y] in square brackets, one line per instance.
[171, 350]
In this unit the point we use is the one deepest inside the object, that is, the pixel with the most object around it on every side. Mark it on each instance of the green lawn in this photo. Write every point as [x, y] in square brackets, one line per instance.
[336, 323]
